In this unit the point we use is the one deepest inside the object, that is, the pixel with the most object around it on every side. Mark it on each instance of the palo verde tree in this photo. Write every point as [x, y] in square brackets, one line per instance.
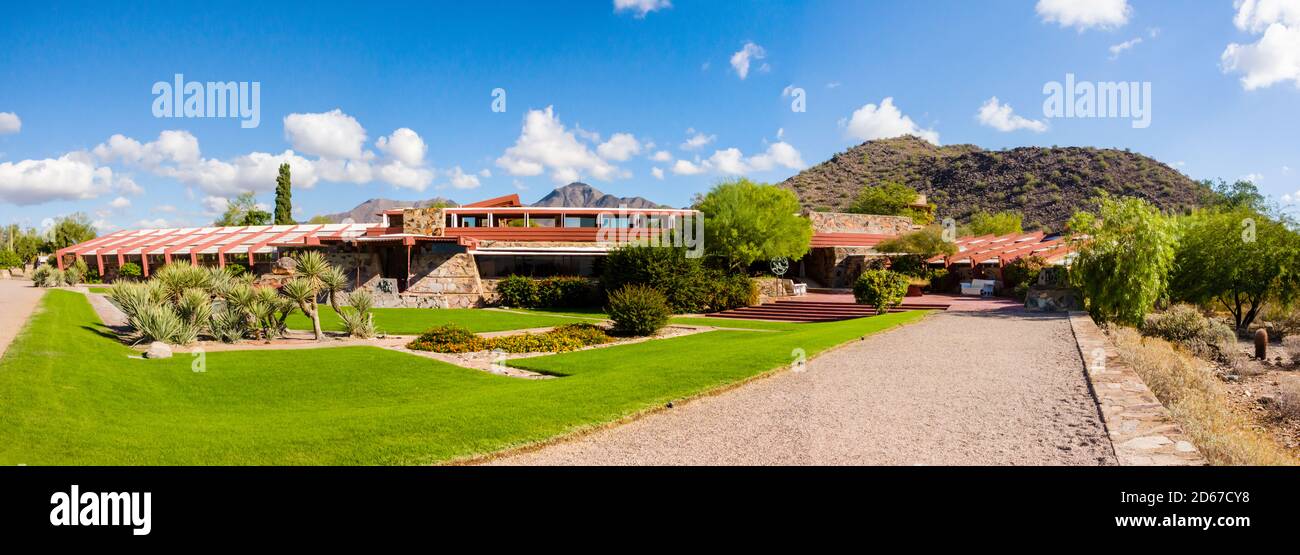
[1239, 258]
[244, 211]
[1001, 223]
[283, 197]
[891, 199]
[746, 221]
[1125, 253]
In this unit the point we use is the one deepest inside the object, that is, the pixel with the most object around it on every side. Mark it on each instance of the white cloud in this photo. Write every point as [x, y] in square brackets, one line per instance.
[544, 144]
[1257, 15]
[332, 134]
[120, 202]
[73, 176]
[127, 186]
[686, 167]
[255, 171]
[407, 177]
[742, 58]
[462, 180]
[658, 173]
[518, 185]
[10, 123]
[882, 122]
[172, 146]
[641, 7]
[731, 161]
[619, 147]
[1252, 177]
[485, 172]
[214, 206]
[1001, 117]
[164, 208]
[662, 156]
[1084, 14]
[156, 223]
[778, 154]
[404, 145]
[1117, 49]
[1275, 57]
[697, 140]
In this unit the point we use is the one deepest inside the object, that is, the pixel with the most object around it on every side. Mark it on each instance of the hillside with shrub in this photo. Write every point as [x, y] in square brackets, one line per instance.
[1046, 184]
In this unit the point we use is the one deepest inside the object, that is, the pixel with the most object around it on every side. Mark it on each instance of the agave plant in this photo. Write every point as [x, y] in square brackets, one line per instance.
[359, 322]
[227, 324]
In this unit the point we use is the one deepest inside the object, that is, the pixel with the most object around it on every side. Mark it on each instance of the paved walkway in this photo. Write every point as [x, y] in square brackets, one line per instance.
[17, 301]
[958, 388]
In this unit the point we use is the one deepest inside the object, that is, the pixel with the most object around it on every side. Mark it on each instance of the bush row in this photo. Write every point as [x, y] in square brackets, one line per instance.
[452, 338]
[686, 283]
[550, 292]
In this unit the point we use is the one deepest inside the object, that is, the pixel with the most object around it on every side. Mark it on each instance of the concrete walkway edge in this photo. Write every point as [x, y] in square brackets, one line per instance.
[1141, 430]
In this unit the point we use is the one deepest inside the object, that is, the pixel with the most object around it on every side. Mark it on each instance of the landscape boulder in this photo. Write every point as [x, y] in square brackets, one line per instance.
[158, 349]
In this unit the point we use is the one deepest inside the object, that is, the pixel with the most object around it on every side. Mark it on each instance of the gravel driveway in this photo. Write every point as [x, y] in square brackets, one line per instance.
[958, 388]
[18, 299]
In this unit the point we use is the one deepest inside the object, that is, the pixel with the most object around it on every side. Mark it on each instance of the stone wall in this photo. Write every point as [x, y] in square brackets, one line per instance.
[423, 221]
[838, 267]
[362, 267]
[840, 222]
[440, 272]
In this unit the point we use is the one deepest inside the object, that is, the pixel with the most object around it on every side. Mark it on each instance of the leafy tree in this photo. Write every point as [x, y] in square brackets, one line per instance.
[746, 221]
[27, 244]
[243, 211]
[882, 289]
[9, 259]
[1230, 196]
[1001, 223]
[927, 242]
[283, 197]
[1240, 258]
[320, 219]
[1125, 253]
[72, 229]
[891, 199]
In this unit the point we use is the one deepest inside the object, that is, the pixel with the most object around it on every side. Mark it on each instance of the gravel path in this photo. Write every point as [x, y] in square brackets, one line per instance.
[958, 388]
[17, 301]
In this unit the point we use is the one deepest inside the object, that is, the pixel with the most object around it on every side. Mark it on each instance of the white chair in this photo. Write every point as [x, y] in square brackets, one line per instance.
[981, 287]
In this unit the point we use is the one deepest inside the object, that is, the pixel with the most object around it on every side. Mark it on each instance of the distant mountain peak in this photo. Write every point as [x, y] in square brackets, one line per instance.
[582, 195]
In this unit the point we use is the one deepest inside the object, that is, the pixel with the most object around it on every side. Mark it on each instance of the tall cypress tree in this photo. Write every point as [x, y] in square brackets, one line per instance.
[283, 197]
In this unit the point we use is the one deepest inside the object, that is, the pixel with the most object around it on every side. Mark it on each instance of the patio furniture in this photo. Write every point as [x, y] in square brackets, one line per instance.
[981, 287]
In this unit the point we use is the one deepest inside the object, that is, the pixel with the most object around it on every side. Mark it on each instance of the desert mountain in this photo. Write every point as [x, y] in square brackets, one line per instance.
[368, 211]
[582, 195]
[1046, 184]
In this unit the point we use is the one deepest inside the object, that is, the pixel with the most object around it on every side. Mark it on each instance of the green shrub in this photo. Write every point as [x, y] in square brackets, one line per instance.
[565, 292]
[129, 271]
[638, 310]
[159, 322]
[1023, 270]
[227, 325]
[1185, 325]
[1020, 291]
[517, 291]
[10, 259]
[451, 338]
[177, 277]
[909, 265]
[133, 297]
[46, 275]
[882, 289]
[686, 283]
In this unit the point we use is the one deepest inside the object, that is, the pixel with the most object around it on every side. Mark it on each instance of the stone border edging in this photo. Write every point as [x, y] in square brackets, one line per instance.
[1141, 430]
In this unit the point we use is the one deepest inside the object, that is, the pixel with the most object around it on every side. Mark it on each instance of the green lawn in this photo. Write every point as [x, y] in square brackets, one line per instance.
[414, 321]
[100, 290]
[71, 395]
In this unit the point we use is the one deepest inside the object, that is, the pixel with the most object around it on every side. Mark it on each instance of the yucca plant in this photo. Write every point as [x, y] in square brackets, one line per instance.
[303, 292]
[312, 269]
[159, 322]
[195, 307]
[358, 321]
[227, 324]
[334, 282]
[131, 297]
[176, 277]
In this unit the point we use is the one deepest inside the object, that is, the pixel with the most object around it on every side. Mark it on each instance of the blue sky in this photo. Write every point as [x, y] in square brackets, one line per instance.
[395, 100]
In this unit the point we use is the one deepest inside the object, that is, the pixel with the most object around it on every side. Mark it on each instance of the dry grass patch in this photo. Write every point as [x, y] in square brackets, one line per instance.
[1198, 402]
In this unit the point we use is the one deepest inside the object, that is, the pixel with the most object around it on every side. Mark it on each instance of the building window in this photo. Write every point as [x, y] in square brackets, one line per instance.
[579, 221]
[499, 266]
